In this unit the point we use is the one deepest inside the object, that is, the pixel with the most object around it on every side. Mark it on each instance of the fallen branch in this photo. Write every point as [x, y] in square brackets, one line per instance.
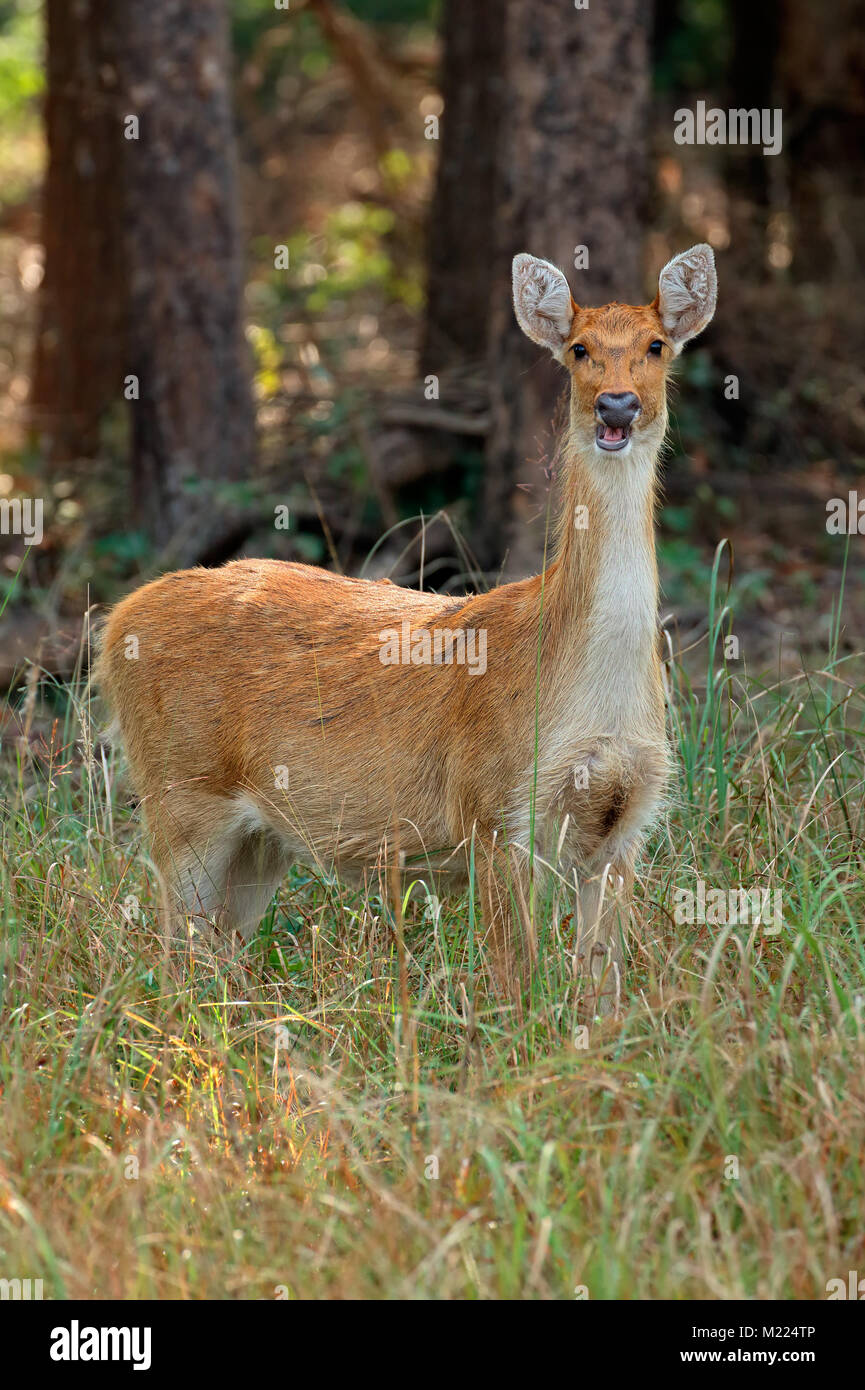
[434, 418]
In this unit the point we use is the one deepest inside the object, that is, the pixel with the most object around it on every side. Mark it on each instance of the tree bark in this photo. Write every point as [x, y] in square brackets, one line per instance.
[193, 423]
[144, 282]
[572, 170]
[461, 223]
[750, 176]
[76, 374]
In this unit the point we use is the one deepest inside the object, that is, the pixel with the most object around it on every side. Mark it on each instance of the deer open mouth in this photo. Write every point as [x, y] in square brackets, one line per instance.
[612, 437]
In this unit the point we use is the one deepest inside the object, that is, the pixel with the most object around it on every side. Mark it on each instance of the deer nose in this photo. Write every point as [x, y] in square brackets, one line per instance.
[618, 409]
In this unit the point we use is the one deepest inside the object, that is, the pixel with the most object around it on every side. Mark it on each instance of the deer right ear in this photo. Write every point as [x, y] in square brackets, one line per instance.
[542, 302]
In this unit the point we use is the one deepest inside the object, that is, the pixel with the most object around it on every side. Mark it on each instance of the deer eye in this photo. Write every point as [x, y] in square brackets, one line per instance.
[656, 348]
[578, 350]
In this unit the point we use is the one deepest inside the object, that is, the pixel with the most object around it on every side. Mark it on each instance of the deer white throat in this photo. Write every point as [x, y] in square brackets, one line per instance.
[618, 626]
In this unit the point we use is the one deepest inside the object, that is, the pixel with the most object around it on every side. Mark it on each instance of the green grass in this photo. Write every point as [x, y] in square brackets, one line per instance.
[154, 1142]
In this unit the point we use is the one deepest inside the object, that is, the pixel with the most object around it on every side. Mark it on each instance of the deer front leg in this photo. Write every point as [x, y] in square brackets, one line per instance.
[602, 924]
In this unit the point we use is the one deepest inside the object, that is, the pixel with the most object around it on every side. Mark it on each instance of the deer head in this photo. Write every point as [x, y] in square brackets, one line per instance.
[618, 356]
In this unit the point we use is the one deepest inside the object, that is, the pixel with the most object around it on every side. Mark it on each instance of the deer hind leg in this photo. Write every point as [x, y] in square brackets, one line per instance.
[603, 917]
[256, 868]
[219, 868]
[503, 887]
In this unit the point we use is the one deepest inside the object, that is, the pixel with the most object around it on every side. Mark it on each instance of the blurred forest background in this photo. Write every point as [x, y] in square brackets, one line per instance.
[254, 289]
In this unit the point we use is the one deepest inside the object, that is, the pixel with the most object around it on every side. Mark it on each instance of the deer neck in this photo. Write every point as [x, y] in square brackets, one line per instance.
[601, 593]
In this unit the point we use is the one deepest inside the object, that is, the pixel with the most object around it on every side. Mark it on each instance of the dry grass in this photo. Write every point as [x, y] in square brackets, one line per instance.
[267, 1127]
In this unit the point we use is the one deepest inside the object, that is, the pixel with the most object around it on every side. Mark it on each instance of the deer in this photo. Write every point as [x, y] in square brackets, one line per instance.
[264, 722]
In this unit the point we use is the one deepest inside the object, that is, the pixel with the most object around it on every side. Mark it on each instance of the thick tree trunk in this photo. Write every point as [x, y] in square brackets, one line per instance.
[76, 368]
[193, 426]
[572, 172]
[751, 177]
[462, 219]
[143, 267]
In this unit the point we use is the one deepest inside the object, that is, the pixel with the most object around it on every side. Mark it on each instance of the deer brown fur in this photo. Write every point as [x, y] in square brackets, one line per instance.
[261, 726]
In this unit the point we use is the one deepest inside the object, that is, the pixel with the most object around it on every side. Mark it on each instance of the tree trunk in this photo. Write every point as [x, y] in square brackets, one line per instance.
[572, 171]
[144, 285]
[76, 372]
[544, 149]
[462, 217]
[192, 425]
[751, 177]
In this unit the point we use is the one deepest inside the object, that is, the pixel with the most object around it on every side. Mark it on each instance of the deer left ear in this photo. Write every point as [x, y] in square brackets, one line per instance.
[687, 291]
[542, 302]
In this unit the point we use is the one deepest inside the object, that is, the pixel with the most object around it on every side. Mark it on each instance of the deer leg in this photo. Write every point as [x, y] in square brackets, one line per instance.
[190, 849]
[218, 871]
[503, 886]
[254, 872]
[603, 915]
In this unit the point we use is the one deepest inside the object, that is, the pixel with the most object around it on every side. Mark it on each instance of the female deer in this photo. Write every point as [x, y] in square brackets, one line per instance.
[267, 714]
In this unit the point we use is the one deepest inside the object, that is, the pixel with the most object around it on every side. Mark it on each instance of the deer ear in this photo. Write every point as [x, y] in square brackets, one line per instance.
[687, 290]
[542, 302]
